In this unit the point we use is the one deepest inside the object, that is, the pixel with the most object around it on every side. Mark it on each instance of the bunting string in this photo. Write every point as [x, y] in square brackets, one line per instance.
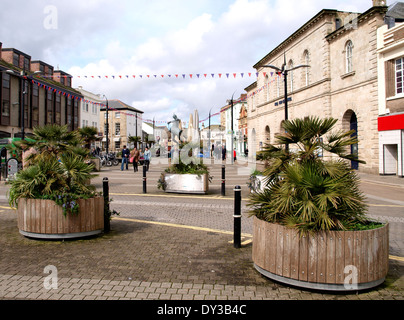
[175, 76]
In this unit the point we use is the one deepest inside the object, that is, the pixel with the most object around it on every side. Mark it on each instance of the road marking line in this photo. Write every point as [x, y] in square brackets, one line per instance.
[386, 205]
[244, 235]
[171, 196]
[383, 183]
[167, 224]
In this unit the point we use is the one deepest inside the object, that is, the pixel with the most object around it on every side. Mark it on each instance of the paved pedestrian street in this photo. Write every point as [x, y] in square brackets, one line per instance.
[173, 247]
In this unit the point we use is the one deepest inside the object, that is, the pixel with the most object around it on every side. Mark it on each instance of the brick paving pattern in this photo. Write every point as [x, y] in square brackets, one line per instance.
[163, 260]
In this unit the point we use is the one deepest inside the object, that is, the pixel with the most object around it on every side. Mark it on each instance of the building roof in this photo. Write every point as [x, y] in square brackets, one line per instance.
[303, 28]
[4, 65]
[396, 11]
[119, 105]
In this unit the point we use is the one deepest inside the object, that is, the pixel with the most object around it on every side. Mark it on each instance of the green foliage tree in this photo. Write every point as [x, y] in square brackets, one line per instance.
[136, 140]
[55, 169]
[303, 190]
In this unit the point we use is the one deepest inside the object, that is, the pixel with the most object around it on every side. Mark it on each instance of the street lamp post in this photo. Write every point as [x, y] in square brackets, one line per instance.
[106, 127]
[283, 70]
[210, 143]
[232, 133]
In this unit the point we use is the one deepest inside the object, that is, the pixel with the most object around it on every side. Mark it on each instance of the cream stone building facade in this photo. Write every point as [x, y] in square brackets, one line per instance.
[123, 121]
[391, 94]
[341, 82]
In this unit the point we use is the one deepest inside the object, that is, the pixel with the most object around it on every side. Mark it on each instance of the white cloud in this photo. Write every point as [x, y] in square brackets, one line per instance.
[100, 37]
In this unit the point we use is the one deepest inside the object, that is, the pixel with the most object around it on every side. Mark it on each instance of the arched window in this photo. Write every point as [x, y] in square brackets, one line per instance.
[267, 134]
[291, 75]
[348, 56]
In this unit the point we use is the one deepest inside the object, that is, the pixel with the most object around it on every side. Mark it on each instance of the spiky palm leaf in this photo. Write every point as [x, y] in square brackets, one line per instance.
[304, 191]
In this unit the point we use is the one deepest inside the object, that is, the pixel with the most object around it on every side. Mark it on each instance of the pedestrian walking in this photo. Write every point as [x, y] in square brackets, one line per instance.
[125, 157]
[224, 153]
[234, 154]
[134, 155]
[147, 158]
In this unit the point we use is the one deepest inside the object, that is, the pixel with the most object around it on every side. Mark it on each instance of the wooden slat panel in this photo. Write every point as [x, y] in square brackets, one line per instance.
[312, 259]
[371, 255]
[266, 232]
[295, 255]
[272, 247]
[61, 220]
[287, 251]
[279, 249]
[330, 257]
[55, 217]
[88, 219]
[385, 251]
[303, 258]
[363, 267]
[321, 257]
[339, 257]
[357, 252]
[349, 248]
[260, 245]
[255, 240]
[21, 214]
[47, 224]
[90, 208]
[39, 214]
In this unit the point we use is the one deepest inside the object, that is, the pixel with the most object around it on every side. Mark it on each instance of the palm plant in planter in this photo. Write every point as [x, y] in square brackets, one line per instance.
[56, 182]
[311, 206]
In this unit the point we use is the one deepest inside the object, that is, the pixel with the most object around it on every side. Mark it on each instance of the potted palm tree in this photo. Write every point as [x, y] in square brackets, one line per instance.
[187, 173]
[52, 193]
[310, 223]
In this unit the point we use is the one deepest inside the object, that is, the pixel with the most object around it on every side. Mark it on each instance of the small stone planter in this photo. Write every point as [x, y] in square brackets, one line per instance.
[186, 183]
[333, 260]
[44, 219]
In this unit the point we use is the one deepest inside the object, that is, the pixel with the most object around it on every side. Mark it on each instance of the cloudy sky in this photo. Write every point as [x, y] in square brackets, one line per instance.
[158, 37]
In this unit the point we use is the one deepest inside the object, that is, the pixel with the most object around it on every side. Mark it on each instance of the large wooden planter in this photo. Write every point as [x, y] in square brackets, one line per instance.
[44, 219]
[186, 183]
[326, 260]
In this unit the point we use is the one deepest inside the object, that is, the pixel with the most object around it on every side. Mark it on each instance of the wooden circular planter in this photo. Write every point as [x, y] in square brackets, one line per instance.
[44, 219]
[333, 260]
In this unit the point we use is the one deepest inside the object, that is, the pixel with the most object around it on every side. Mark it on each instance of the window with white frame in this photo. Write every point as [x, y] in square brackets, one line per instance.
[399, 76]
[291, 75]
[348, 56]
[117, 115]
[118, 129]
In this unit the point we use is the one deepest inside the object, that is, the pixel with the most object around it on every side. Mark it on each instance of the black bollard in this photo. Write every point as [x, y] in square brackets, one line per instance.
[107, 214]
[144, 178]
[237, 217]
[223, 180]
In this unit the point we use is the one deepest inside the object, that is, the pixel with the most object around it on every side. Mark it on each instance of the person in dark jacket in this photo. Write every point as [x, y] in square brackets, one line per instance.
[125, 157]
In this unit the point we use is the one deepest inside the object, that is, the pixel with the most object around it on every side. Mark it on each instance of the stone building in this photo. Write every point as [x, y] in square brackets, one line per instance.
[46, 95]
[230, 121]
[391, 93]
[341, 82]
[123, 121]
